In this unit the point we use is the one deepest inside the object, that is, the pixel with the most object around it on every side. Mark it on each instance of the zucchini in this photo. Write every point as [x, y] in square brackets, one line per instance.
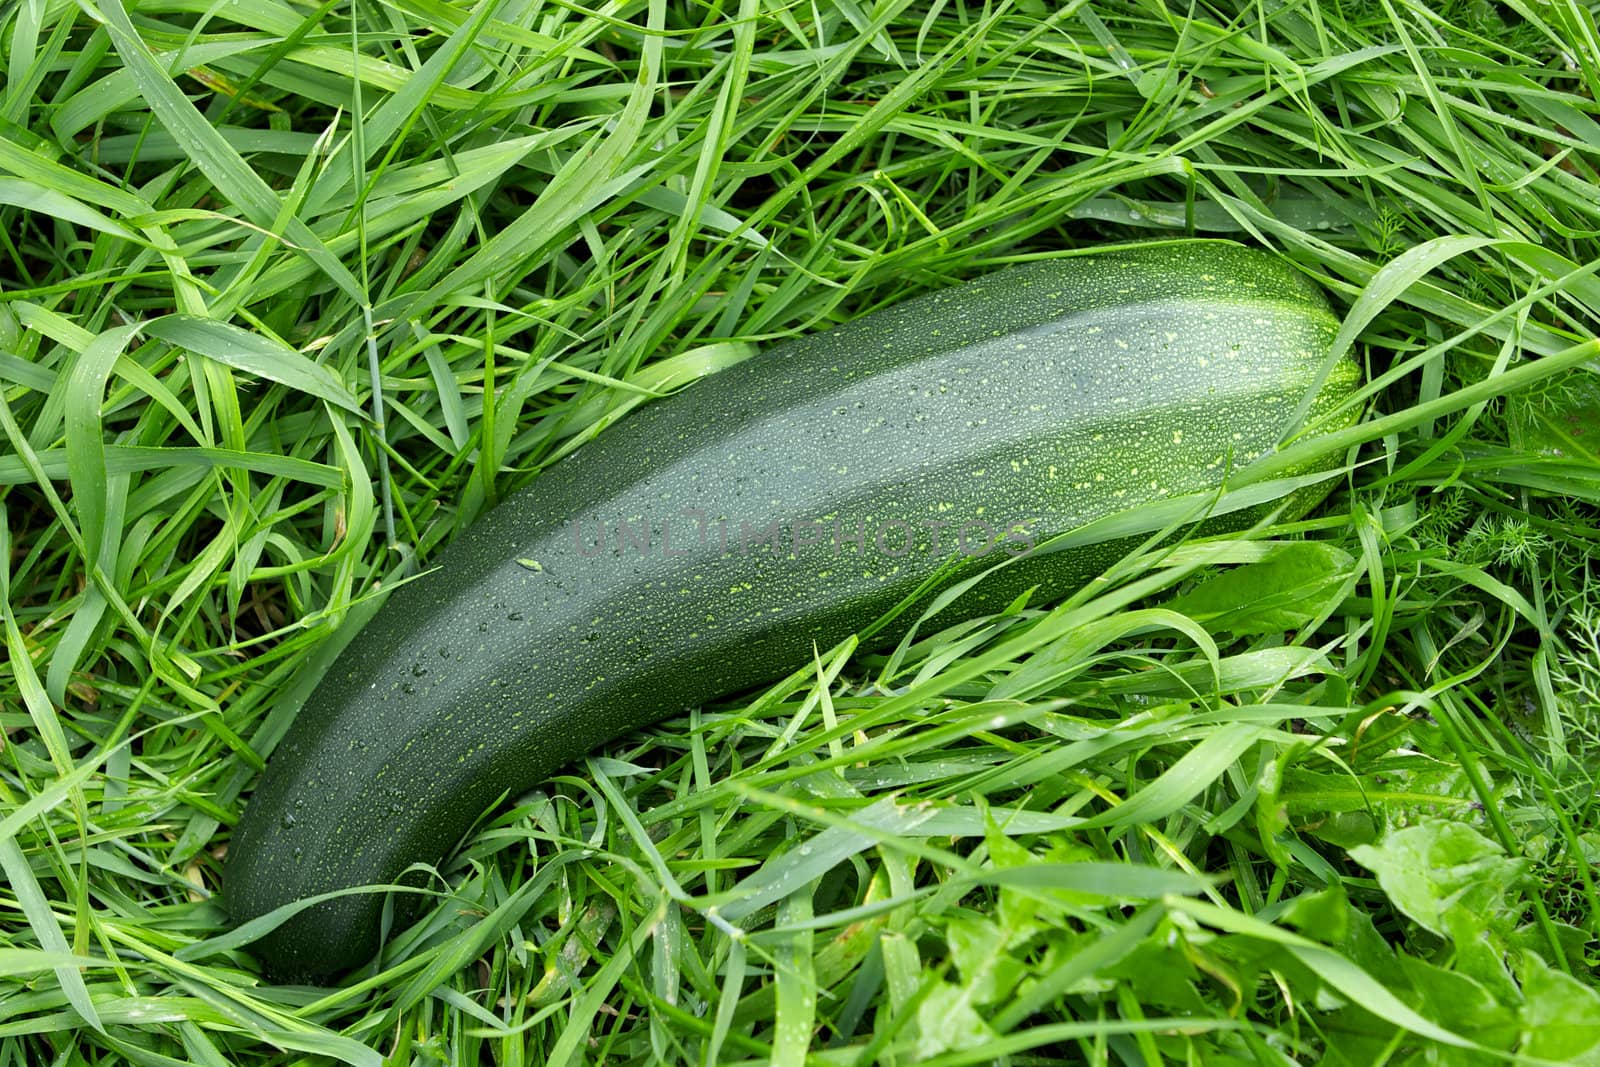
[1007, 409]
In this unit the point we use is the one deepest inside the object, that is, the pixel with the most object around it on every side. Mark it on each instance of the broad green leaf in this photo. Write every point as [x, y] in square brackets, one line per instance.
[1323, 915]
[981, 951]
[1295, 584]
[947, 1019]
[1095, 956]
[1563, 420]
[1560, 1016]
[1461, 1003]
[1435, 867]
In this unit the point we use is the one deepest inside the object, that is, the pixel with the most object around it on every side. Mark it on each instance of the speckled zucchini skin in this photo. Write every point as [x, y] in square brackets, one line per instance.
[1055, 393]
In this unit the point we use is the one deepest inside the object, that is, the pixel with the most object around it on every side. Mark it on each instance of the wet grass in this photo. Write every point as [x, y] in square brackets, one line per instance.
[290, 293]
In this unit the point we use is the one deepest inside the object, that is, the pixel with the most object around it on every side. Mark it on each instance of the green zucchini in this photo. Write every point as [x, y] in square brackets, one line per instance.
[1008, 409]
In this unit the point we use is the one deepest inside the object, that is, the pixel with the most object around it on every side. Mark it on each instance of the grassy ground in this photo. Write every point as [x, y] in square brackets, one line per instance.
[1362, 836]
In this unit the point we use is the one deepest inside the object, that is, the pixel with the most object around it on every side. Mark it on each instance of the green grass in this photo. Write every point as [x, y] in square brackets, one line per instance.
[290, 293]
